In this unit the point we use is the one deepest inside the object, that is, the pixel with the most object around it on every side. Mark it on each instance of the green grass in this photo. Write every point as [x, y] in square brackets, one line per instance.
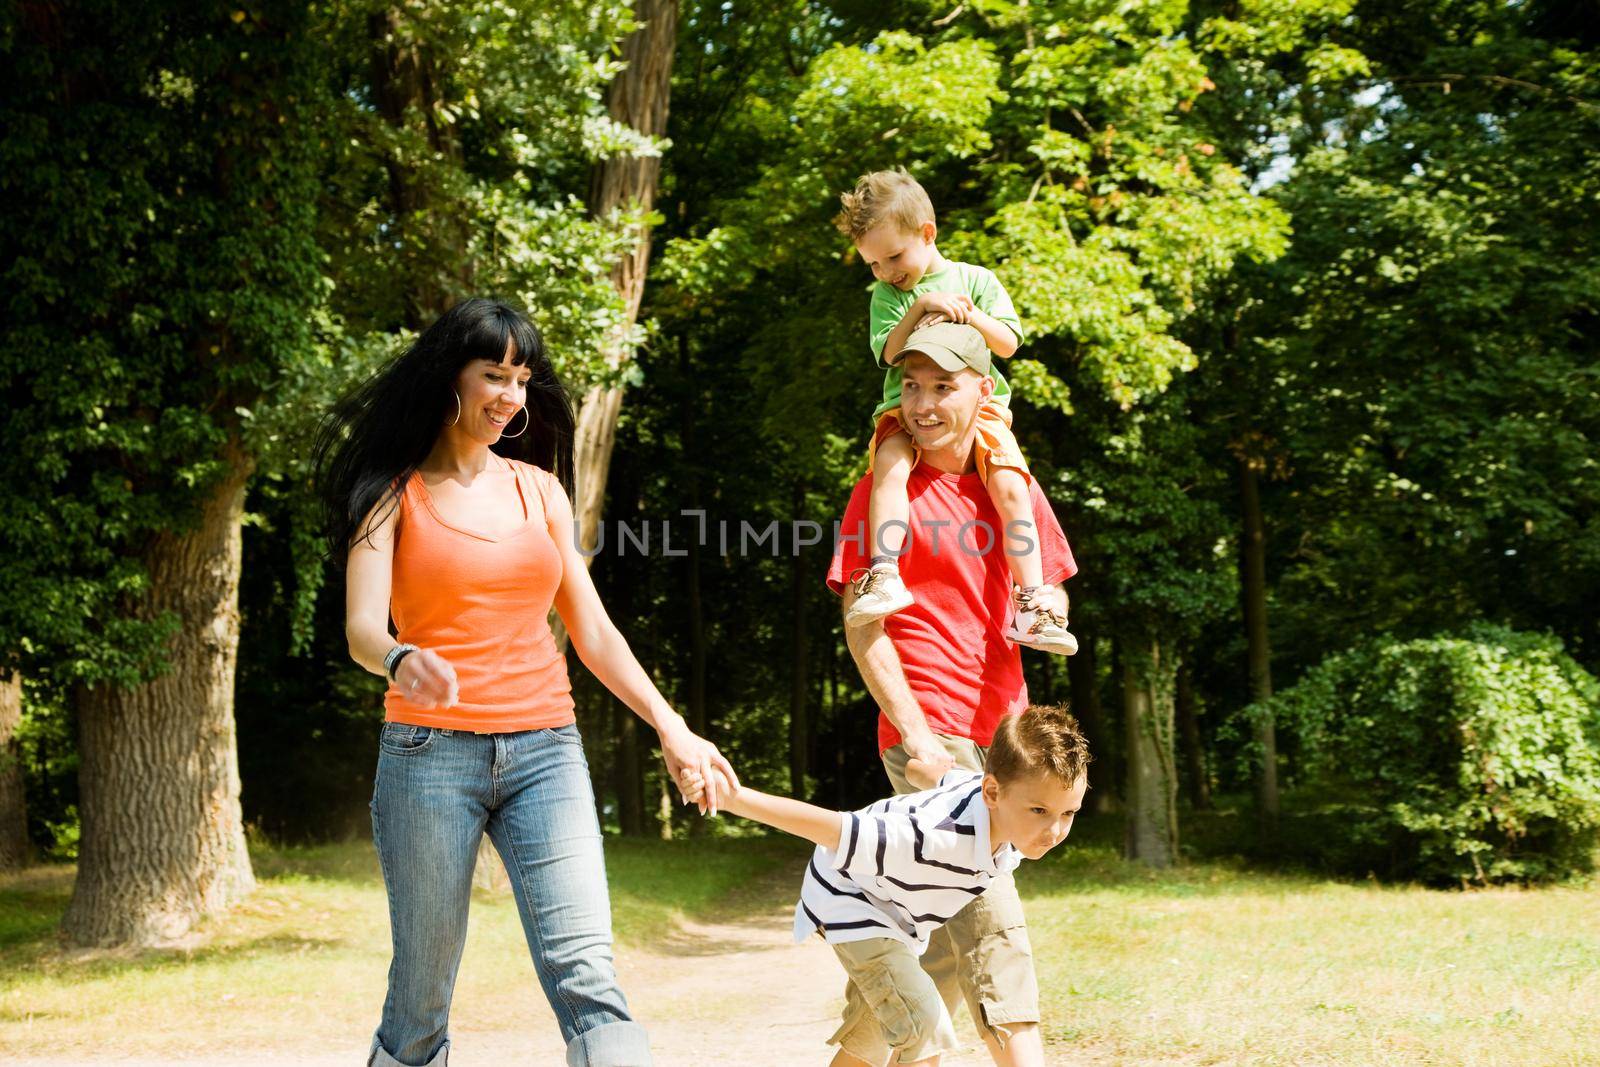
[1215, 962]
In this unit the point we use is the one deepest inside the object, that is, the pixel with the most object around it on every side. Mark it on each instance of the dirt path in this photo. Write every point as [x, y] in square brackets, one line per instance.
[717, 993]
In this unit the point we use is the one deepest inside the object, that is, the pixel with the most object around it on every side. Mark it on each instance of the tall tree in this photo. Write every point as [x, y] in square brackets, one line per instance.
[625, 182]
[1275, 67]
[179, 144]
[1151, 791]
[1430, 334]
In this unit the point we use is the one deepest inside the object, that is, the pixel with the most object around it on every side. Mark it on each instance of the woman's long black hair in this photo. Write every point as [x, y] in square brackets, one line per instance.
[372, 441]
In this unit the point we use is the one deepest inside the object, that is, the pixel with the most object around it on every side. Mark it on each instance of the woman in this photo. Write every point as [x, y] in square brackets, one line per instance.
[444, 482]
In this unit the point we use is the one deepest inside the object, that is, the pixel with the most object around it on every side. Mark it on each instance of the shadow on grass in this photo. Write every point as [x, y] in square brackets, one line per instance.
[31, 906]
[353, 861]
[655, 885]
[33, 902]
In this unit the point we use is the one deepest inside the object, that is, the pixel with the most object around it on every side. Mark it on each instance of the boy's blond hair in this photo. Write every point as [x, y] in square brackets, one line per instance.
[1042, 740]
[884, 196]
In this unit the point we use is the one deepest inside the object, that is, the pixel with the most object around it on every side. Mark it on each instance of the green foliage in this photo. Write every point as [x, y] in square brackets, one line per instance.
[1472, 758]
[48, 753]
[163, 186]
[1427, 350]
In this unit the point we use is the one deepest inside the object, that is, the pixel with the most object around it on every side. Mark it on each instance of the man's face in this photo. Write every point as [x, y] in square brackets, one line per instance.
[896, 256]
[1034, 814]
[940, 406]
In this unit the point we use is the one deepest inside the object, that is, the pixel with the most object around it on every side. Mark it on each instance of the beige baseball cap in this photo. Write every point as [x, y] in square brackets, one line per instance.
[953, 346]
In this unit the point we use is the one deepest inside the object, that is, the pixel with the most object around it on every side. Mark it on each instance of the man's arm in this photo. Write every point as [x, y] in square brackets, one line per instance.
[885, 677]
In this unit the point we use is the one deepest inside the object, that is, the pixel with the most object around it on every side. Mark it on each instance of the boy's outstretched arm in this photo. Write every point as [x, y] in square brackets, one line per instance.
[817, 825]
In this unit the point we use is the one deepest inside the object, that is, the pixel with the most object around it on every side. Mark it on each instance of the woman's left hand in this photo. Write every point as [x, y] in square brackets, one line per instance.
[683, 749]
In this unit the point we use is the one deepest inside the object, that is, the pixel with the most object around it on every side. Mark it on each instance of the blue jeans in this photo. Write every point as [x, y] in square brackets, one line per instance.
[437, 792]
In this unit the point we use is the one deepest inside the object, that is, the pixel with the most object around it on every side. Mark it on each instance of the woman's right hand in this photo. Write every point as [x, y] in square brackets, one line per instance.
[427, 680]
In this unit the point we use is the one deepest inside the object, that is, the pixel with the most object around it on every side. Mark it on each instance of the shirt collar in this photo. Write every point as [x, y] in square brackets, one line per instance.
[1009, 858]
[980, 832]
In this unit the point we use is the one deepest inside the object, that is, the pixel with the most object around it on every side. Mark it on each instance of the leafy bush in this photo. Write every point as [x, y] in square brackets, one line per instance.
[1472, 758]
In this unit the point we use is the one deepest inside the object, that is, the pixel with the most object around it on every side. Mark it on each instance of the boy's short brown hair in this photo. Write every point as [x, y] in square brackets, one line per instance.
[1042, 740]
[884, 196]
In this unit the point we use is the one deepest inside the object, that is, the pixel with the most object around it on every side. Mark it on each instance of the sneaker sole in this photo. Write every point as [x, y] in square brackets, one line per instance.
[1066, 647]
[861, 618]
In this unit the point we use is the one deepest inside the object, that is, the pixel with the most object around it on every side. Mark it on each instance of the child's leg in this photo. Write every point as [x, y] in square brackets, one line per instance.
[879, 590]
[890, 1004]
[1036, 620]
[1023, 1048]
[1008, 489]
[844, 1059]
[889, 512]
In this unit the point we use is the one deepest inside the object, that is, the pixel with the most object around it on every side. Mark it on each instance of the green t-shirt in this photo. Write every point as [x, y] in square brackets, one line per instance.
[889, 306]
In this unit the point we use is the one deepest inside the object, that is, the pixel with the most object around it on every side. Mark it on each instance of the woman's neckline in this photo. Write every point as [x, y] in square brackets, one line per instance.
[527, 509]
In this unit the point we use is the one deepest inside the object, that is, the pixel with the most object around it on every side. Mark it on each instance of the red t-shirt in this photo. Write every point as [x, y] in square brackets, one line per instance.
[965, 674]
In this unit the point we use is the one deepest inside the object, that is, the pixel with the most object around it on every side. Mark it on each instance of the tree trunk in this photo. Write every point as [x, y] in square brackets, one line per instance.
[14, 851]
[697, 618]
[163, 836]
[406, 88]
[1151, 794]
[627, 775]
[800, 579]
[1194, 756]
[1083, 675]
[1253, 567]
[665, 810]
[637, 97]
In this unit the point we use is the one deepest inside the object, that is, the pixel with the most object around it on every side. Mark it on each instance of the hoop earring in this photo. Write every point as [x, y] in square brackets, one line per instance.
[457, 419]
[524, 429]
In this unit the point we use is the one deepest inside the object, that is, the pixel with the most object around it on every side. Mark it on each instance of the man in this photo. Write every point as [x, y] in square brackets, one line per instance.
[943, 673]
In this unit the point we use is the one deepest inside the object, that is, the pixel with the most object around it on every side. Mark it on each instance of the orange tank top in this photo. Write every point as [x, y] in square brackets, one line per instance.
[483, 603]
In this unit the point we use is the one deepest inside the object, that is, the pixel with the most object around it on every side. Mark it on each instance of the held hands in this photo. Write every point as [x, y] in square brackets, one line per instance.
[944, 307]
[690, 757]
[694, 788]
[927, 762]
[427, 680]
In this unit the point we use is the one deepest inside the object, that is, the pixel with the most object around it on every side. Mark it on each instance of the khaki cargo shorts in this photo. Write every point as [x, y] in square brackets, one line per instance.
[890, 1004]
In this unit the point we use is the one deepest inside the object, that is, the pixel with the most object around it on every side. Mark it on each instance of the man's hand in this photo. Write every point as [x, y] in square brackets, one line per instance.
[927, 761]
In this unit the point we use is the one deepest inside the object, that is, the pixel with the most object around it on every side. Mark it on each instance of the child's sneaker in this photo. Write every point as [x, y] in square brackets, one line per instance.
[1036, 624]
[880, 592]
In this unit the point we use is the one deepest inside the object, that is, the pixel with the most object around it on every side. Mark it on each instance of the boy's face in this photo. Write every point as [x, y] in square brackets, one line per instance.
[896, 256]
[1033, 814]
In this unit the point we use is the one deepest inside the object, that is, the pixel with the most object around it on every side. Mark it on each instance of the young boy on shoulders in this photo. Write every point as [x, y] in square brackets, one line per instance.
[885, 877]
[890, 218]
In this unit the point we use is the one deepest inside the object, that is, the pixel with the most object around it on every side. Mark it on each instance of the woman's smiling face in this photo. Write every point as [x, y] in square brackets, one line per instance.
[491, 395]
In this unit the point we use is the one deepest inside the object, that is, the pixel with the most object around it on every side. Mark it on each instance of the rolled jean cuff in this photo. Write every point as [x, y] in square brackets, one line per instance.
[379, 1057]
[611, 1045]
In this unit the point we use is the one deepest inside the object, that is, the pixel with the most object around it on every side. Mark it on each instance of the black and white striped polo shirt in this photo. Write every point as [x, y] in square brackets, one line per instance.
[904, 866]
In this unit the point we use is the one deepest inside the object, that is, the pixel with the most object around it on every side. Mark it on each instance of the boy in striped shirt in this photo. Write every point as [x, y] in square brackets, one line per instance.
[883, 878]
